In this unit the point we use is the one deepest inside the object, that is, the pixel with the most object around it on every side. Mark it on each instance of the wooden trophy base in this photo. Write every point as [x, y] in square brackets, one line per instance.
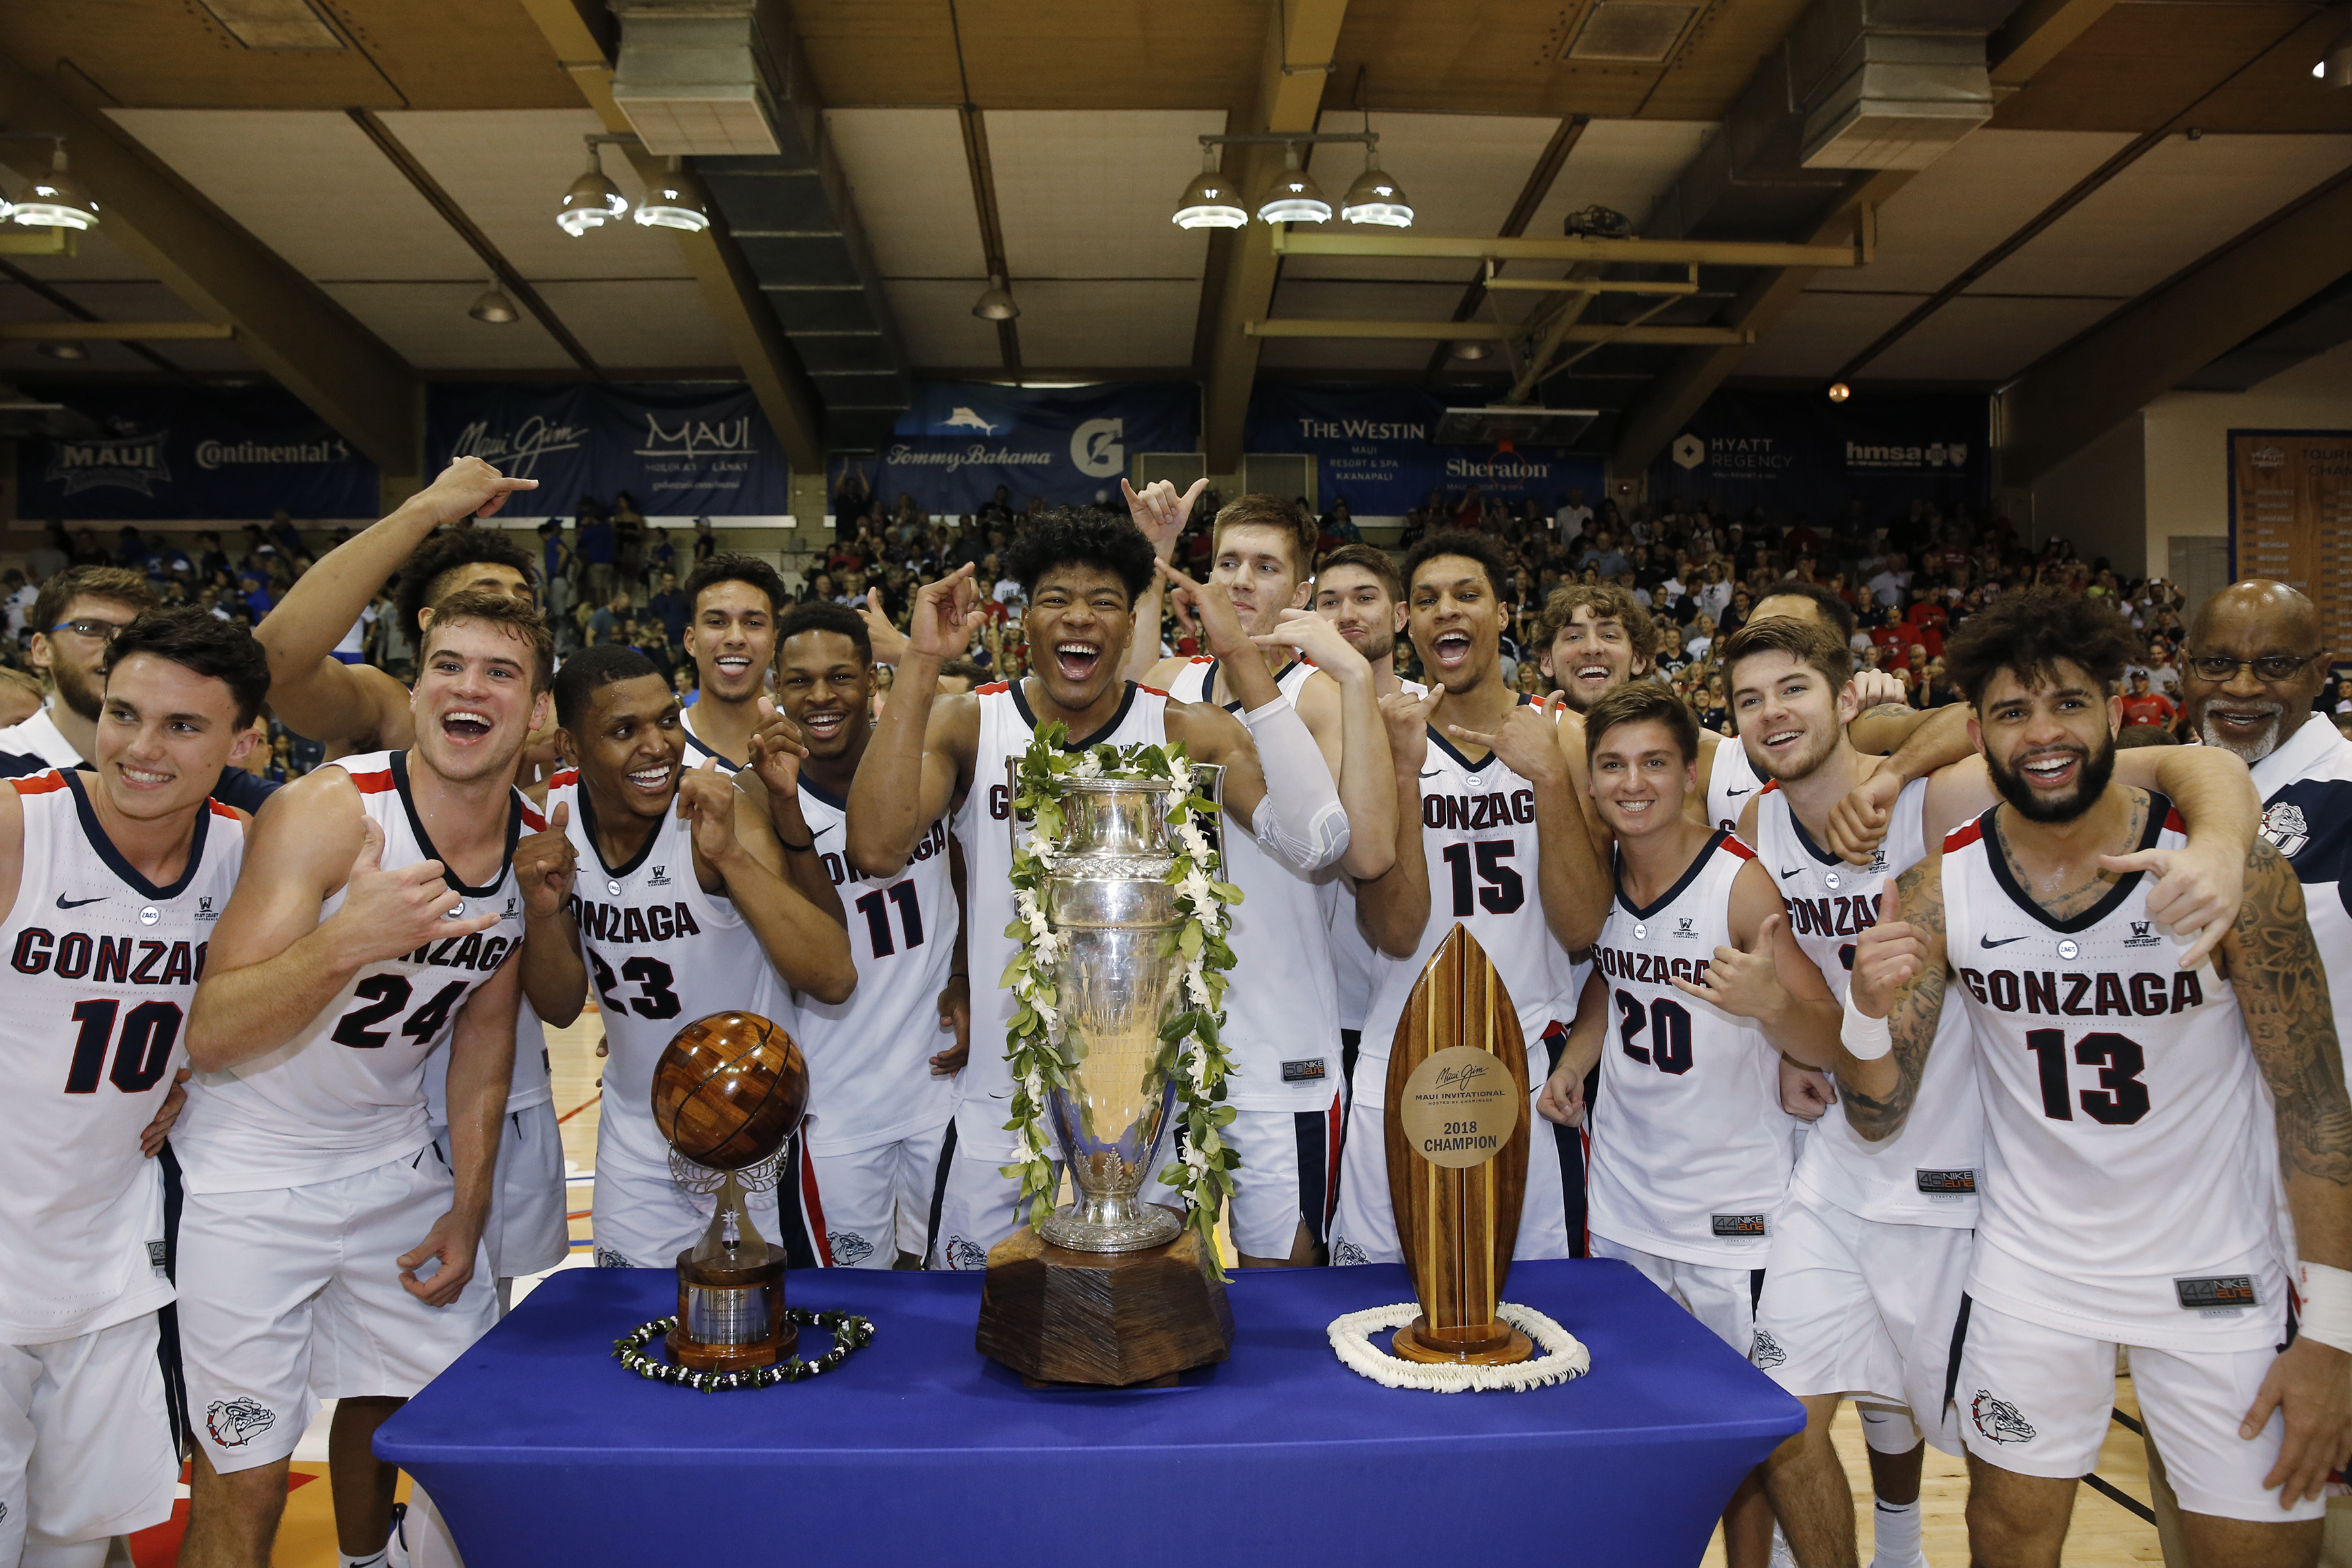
[751, 1293]
[1109, 1319]
[1504, 1345]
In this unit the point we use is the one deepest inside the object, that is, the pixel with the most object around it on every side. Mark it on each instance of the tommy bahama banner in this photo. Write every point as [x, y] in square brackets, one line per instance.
[682, 449]
[961, 439]
[153, 453]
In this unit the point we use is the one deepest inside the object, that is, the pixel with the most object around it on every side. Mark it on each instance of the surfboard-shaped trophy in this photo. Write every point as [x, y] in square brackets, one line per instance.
[1457, 1153]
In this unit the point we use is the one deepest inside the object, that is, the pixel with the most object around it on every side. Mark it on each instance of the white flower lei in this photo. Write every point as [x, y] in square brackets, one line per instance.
[1191, 1044]
[1564, 1354]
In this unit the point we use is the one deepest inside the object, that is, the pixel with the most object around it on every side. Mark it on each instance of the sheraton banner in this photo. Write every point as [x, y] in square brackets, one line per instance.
[160, 454]
[1372, 450]
[1794, 452]
[961, 439]
[682, 449]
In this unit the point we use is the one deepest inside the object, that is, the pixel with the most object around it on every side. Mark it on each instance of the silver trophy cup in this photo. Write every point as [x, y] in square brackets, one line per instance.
[1118, 977]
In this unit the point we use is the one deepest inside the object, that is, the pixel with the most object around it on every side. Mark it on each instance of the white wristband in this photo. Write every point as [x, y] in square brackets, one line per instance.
[2326, 1303]
[1866, 1038]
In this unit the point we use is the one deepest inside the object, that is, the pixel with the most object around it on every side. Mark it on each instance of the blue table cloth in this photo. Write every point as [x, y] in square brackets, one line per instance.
[540, 1447]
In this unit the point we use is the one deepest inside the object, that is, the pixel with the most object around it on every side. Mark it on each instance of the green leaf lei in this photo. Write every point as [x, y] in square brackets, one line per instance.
[1192, 1049]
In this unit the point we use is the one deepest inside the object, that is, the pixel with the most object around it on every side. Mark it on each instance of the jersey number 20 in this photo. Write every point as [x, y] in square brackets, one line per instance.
[1669, 1024]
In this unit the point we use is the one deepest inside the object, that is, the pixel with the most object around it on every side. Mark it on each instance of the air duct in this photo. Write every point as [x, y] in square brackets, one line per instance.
[694, 77]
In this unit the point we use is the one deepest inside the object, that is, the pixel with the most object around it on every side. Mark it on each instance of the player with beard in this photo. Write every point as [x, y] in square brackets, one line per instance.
[95, 867]
[881, 1089]
[1870, 1251]
[2131, 1167]
[1528, 881]
[930, 753]
[1282, 1012]
[682, 912]
[1359, 590]
[329, 1248]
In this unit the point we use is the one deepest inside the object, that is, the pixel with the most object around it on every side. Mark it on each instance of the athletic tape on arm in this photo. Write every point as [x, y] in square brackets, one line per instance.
[1301, 821]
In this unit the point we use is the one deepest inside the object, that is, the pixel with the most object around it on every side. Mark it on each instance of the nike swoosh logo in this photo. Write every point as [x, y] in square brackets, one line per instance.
[1735, 793]
[1793, 871]
[65, 903]
[1433, 772]
[2004, 942]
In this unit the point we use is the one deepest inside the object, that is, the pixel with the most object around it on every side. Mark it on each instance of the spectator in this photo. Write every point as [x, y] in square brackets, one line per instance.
[670, 606]
[593, 542]
[1892, 580]
[604, 625]
[1571, 519]
[2142, 705]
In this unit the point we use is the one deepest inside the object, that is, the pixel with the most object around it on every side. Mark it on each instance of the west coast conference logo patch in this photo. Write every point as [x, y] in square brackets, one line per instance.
[233, 1423]
[1999, 1420]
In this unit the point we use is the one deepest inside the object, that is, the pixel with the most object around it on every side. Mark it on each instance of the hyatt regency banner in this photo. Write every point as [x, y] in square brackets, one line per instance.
[1792, 452]
[961, 439]
[1372, 450]
[227, 454]
[681, 450]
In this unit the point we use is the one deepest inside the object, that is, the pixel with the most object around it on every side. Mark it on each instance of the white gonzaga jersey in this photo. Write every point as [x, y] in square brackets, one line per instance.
[347, 1093]
[103, 964]
[1478, 836]
[983, 1100]
[1926, 1173]
[1731, 783]
[660, 952]
[870, 1057]
[2130, 1161]
[1690, 1149]
[1351, 953]
[1282, 1012]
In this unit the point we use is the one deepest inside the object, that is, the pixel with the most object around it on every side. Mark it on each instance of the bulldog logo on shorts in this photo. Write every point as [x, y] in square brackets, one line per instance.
[235, 1422]
[1999, 1420]
[848, 1247]
[1767, 1352]
[964, 1255]
[610, 1257]
[1347, 1254]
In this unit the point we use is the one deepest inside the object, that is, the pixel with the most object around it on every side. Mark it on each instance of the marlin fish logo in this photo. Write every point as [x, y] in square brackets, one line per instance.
[962, 418]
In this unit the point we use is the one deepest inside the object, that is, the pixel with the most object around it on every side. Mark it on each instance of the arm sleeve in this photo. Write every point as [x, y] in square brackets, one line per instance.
[1301, 821]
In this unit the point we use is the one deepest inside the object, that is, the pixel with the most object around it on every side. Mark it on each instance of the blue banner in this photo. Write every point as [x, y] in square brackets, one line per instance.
[687, 449]
[225, 454]
[1794, 452]
[1372, 450]
[961, 439]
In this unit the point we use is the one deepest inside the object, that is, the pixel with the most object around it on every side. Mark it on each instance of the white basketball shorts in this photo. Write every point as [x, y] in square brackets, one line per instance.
[641, 1218]
[86, 1447]
[291, 1294]
[1365, 1231]
[526, 1233]
[1860, 1307]
[2036, 1400]
[975, 1206]
[877, 1201]
[1723, 1299]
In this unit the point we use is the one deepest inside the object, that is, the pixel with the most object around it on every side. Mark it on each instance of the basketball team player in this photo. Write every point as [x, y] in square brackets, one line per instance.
[1700, 984]
[2131, 1165]
[1492, 835]
[1870, 1251]
[1082, 578]
[361, 708]
[881, 1082]
[657, 888]
[113, 880]
[330, 1246]
[1282, 1013]
[731, 635]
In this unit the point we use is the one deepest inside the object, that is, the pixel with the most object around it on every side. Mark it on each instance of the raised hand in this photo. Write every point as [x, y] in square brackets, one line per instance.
[386, 914]
[890, 643]
[1876, 688]
[1858, 822]
[1744, 983]
[943, 618]
[1318, 639]
[1221, 624]
[152, 1136]
[453, 1242]
[1529, 741]
[1885, 958]
[955, 1015]
[2197, 892]
[706, 801]
[469, 487]
[1406, 717]
[1161, 512]
[777, 747]
[545, 863]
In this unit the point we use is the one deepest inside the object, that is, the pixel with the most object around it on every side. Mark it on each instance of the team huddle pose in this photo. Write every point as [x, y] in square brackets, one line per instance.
[1926, 1059]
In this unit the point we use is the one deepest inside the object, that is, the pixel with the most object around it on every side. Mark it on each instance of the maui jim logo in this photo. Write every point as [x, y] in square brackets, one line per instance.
[1451, 1078]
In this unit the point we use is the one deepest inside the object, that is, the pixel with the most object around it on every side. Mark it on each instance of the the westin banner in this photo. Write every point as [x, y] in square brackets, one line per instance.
[682, 449]
[1372, 450]
[214, 454]
[1794, 452]
[961, 439]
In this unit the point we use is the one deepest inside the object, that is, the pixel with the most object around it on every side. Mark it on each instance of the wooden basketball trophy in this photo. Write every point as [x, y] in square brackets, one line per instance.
[1457, 1153]
[728, 1094]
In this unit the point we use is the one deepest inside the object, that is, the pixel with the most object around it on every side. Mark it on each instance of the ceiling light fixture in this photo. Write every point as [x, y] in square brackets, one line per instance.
[674, 202]
[1208, 202]
[492, 306]
[1469, 348]
[997, 304]
[593, 201]
[68, 351]
[1376, 198]
[1840, 391]
[58, 200]
[2335, 67]
[1296, 197]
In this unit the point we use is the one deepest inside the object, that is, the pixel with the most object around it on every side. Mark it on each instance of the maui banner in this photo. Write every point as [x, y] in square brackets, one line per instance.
[1372, 450]
[1794, 452]
[160, 454]
[681, 450]
[961, 439]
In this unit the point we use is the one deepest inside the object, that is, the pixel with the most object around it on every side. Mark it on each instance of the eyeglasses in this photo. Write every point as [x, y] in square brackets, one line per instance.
[97, 631]
[2270, 667]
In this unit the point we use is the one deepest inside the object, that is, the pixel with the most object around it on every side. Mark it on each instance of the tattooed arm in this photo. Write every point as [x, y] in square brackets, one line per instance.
[2282, 990]
[1898, 974]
